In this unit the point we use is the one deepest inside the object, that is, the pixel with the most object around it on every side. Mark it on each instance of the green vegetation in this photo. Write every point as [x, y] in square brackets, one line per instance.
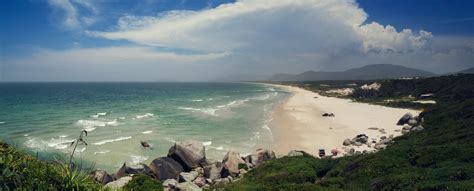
[20, 171]
[142, 182]
[441, 157]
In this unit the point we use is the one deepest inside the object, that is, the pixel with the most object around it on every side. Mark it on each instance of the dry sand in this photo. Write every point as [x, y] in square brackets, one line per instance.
[298, 123]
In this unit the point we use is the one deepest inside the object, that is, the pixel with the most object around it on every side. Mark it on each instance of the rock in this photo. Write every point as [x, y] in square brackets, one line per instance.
[412, 122]
[231, 163]
[406, 127]
[221, 181]
[242, 171]
[170, 183]
[346, 142]
[397, 130]
[190, 154]
[383, 137]
[373, 128]
[188, 176]
[361, 138]
[213, 171]
[136, 169]
[405, 118]
[294, 153]
[187, 186]
[358, 144]
[365, 152]
[417, 128]
[382, 131]
[200, 171]
[200, 181]
[102, 177]
[391, 136]
[165, 168]
[263, 155]
[351, 151]
[115, 185]
[380, 146]
[385, 141]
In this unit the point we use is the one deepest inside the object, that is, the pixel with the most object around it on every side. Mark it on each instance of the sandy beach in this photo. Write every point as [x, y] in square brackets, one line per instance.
[298, 123]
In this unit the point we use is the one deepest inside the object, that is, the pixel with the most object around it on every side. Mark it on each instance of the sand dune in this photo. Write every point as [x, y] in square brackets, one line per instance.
[298, 123]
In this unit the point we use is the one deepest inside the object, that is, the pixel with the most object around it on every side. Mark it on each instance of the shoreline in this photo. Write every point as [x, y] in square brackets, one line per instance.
[298, 123]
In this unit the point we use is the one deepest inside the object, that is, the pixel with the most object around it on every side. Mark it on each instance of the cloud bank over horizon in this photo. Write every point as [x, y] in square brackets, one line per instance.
[239, 39]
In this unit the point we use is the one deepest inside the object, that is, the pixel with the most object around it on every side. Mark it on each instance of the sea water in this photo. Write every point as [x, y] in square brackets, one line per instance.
[45, 118]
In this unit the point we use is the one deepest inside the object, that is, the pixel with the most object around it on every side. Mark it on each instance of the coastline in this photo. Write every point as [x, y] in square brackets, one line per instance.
[298, 123]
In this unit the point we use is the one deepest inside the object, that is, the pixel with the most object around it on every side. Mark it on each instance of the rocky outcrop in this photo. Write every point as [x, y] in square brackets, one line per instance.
[259, 157]
[190, 154]
[231, 163]
[405, 118]
[102, 177]
[213, 171]
[115, 185]
[165, 168]
[134, 169]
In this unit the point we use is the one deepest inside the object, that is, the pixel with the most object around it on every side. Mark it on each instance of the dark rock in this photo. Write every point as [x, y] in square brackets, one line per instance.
[190, 154]
[144, 144]
[102, 177]
[136, 169]
[165, 168]
[405, 118]
[383, 137]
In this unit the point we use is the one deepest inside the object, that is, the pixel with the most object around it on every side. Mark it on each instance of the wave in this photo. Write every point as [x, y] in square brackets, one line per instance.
[197, 100]
[207, 143]
[209, 111]
[63, 136]
[147, 132]
[90, 125]
[138, 159]
[144, 116]
[41, 145]
[26, 135]
[102, 114]
[101, 152]
[112, 140]
[2, 122]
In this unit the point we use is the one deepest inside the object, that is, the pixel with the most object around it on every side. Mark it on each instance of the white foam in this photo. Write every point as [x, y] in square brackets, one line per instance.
[271, 89]
[170, 139]
[112, 140]
[2, 122]
[138, 159]
[95, 116]
[219, 148]
[102, 114]
[59, 143]
[101, 152]
[209, 111]
[197, 100]
[121, 118]
[26, 135]
[112, 123]
[207, 143]
[63, 136]
[144, 116]
[147, 132]
[82, 149]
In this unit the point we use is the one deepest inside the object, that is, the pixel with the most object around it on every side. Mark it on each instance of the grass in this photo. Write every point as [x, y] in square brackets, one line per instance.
[441, 157]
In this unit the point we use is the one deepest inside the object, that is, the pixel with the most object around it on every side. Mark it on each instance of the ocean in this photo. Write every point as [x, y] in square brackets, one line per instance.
[45, 118]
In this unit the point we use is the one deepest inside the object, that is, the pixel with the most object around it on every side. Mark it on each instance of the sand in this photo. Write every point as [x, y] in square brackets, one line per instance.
[298, 123]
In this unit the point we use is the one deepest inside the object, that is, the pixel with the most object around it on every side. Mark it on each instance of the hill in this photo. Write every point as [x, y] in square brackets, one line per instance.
[369, 72]
[467, 71]
[440, 157]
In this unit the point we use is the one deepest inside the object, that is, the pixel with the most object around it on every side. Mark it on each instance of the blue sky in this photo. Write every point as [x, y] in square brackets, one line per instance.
[113, 40]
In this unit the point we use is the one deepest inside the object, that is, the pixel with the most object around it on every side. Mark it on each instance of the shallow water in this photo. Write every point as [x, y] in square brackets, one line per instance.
[46, 117]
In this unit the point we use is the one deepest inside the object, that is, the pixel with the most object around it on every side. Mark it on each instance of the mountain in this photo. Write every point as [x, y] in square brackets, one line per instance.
[467, 71]
[369, 72]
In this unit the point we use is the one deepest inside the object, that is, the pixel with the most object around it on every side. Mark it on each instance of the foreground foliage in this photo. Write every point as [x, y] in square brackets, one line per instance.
[441, 157]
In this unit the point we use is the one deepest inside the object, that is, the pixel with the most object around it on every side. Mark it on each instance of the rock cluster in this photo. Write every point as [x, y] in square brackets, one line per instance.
[187, 168]
[410, 123]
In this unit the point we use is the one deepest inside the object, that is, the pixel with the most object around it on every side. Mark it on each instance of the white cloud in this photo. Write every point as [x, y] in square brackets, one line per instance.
[304, 25]
[67, 13]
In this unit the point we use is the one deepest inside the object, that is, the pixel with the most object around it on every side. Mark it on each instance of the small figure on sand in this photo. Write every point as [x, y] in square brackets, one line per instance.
[334, 152]
[322, 153]
[328, 115]
[145, 144]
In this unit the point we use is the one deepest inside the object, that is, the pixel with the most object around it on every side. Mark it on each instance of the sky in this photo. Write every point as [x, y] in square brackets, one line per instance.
[216, 40]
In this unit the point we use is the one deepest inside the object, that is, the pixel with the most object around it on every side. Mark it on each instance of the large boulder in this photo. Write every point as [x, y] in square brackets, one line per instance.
[231, 163]
[412, 122]
[165, 168]
[170, 183]
[417, 128]
[213, 171]
[102, 177]
[405, 118]
[134, 169]
[190, 154]
[259, 157]
[361, 138]
[116, 185]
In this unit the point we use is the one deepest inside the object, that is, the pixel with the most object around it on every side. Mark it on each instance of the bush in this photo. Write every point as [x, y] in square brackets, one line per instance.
[142, 182]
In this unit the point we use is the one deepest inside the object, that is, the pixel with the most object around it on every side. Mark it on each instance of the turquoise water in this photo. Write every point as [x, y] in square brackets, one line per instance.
[46, 117]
